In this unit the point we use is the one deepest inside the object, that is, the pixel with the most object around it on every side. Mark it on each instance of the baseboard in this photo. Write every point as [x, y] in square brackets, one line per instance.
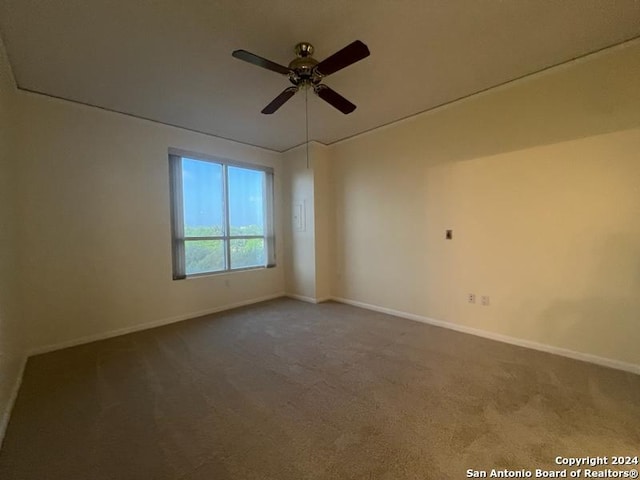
[6, 414]
[585, 357]
[303, 298]
[148, 325]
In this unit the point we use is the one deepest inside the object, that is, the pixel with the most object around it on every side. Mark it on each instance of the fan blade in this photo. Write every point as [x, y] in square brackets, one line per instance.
[352, 53]
[334, 98]
[277, 102]
[261, 62]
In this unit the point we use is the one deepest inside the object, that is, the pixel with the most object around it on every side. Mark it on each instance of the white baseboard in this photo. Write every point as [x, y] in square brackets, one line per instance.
[148, 325]
[585, 357]
[607, 362]
[303, 298]
[6, 414]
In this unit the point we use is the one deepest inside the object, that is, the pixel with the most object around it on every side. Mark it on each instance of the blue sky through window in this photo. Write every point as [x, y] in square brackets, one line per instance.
[246, 209]
[202, 190]
[203, 202]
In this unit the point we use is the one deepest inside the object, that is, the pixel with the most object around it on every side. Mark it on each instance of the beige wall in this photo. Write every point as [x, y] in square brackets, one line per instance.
[540, 182]
[94, 188]
[308, 256]
[323, 221]
[300, 276]
[11, 344]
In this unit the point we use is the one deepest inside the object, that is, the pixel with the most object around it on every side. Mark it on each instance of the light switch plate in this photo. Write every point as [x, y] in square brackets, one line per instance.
[299, 224]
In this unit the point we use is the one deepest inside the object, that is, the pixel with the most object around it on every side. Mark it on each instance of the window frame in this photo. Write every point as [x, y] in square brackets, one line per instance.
[178, 237]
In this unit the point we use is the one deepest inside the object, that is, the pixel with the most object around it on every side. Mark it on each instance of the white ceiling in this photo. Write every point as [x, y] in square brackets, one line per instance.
[170, 61]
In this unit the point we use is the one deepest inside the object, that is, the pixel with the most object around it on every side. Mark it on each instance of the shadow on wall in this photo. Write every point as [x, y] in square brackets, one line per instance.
[593, 96]
[605, 320]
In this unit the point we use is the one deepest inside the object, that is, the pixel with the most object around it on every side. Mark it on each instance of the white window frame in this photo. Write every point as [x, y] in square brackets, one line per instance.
[178, 237]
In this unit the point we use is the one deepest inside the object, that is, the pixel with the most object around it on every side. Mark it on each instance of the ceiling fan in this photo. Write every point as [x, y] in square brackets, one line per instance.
[305, 71]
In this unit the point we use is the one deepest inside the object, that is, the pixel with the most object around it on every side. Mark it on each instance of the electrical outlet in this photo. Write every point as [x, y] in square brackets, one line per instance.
[472, 298]
[484, 300]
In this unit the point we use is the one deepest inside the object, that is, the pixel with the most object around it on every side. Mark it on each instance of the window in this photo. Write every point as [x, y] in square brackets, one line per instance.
[221, 215]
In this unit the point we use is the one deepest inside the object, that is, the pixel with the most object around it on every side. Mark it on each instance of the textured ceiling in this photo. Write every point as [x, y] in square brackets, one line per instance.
[170, 61]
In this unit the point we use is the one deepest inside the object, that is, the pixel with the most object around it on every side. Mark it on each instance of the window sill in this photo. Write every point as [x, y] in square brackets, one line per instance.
[224, 272]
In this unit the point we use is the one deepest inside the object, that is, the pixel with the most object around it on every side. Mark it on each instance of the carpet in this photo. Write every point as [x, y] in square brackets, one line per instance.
[289, 390]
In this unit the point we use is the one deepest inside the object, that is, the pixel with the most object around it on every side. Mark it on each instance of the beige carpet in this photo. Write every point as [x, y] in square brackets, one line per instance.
[286, 390]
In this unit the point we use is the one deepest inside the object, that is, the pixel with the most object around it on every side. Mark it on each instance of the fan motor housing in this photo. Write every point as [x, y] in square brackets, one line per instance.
[303, 66]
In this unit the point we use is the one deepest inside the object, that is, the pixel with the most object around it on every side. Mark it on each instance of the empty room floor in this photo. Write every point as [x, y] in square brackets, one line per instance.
[289, 390]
